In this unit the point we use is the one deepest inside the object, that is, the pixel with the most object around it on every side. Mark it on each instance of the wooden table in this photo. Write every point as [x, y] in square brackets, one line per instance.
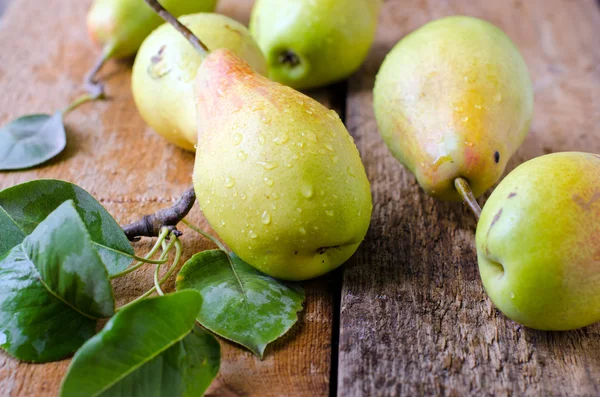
[407, 315]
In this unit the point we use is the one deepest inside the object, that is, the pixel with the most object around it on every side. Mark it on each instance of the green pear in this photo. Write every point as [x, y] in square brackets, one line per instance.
[454, 100]
[538, 242]
[122, 25]
[314, 43]
[277, 175]
[166, 65]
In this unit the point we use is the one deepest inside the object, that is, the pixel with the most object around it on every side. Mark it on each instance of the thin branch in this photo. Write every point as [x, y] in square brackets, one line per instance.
[181, 28]
[464, 189]
[151, 225]
[94, 87]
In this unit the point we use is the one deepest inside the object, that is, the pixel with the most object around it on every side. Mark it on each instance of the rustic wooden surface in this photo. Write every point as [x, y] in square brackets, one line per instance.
[415, 319]
[132, 171]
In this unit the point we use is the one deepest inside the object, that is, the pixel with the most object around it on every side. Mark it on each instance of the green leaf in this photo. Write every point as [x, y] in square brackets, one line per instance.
[10, 233]
[240, 303]
[53, 287]
[31, 140]
[29, 203]
[151, 348]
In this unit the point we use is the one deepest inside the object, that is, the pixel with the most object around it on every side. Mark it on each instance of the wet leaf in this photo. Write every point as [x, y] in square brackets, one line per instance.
[26, 205]
[31, 140]
[53, 287]
[240, 303]
[151, 348]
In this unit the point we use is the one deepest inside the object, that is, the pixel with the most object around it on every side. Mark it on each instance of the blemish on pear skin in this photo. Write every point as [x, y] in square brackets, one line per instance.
[512, 194]
[587, 205]
[158, 57]
[322, 250]
[233, 30]
[494, 221]
[497, 157]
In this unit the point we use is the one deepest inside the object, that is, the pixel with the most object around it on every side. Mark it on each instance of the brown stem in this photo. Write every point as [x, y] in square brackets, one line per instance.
[181, 28]
[464, 189]
[94, 87]
[151, 225]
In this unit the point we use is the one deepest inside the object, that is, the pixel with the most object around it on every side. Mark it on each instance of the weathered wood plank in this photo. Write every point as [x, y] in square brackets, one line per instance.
[414, 316]
[132, 171]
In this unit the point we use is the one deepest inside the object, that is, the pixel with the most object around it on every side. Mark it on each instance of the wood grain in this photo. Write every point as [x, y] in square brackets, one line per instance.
[414, 316]
[132, 171]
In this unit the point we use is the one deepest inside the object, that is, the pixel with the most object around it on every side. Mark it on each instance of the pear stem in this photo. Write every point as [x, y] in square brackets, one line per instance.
[181, 28]
[93, 86]
[464, 189]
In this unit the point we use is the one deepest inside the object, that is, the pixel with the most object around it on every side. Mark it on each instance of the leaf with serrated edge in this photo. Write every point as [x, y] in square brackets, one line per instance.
[31, 140]
[241, 303]
[29, 203]
[53, 288]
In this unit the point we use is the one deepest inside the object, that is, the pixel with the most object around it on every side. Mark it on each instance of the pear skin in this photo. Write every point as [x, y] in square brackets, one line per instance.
[314, 43]
[454, 99]
[538, 242]
[166, 65]
[277, 175]
[121, 26]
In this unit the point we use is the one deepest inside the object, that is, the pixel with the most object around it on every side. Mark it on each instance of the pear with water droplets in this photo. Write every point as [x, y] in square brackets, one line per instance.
[277, 175]
[538, 242]
[122, 25]
[163, 75]
[454, 99]
[311, 43]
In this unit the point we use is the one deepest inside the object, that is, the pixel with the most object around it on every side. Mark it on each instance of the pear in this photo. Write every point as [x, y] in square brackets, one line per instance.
[122, 25]
[453, 100]
[314, 43]
[166, 65]
[277, 175]
[538, 242]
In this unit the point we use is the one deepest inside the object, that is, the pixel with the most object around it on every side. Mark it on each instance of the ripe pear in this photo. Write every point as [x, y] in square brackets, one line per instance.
[538, 242]
[314, 43]
[122, 25]
[454, 100]
[277, 175]
[166, 65]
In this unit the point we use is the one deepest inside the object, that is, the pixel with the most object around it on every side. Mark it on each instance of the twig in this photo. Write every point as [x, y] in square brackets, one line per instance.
[464, 189]
[151, 225]
[181, 28]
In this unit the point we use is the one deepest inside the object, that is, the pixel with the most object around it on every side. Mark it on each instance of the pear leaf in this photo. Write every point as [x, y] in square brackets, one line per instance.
[151, 348]
[24, 206]
[54, 287]
[31, 140]
[241, 303]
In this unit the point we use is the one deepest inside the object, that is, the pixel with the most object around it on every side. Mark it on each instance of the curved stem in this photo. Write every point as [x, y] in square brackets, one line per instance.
[156, 283]
[464, 189]
[178, 251]
[181, 28]
[203, 233]
[146, 259]
[93, 86]
[80, 101]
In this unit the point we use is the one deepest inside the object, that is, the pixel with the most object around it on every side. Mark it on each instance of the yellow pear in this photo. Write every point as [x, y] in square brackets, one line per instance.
[277, 175]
